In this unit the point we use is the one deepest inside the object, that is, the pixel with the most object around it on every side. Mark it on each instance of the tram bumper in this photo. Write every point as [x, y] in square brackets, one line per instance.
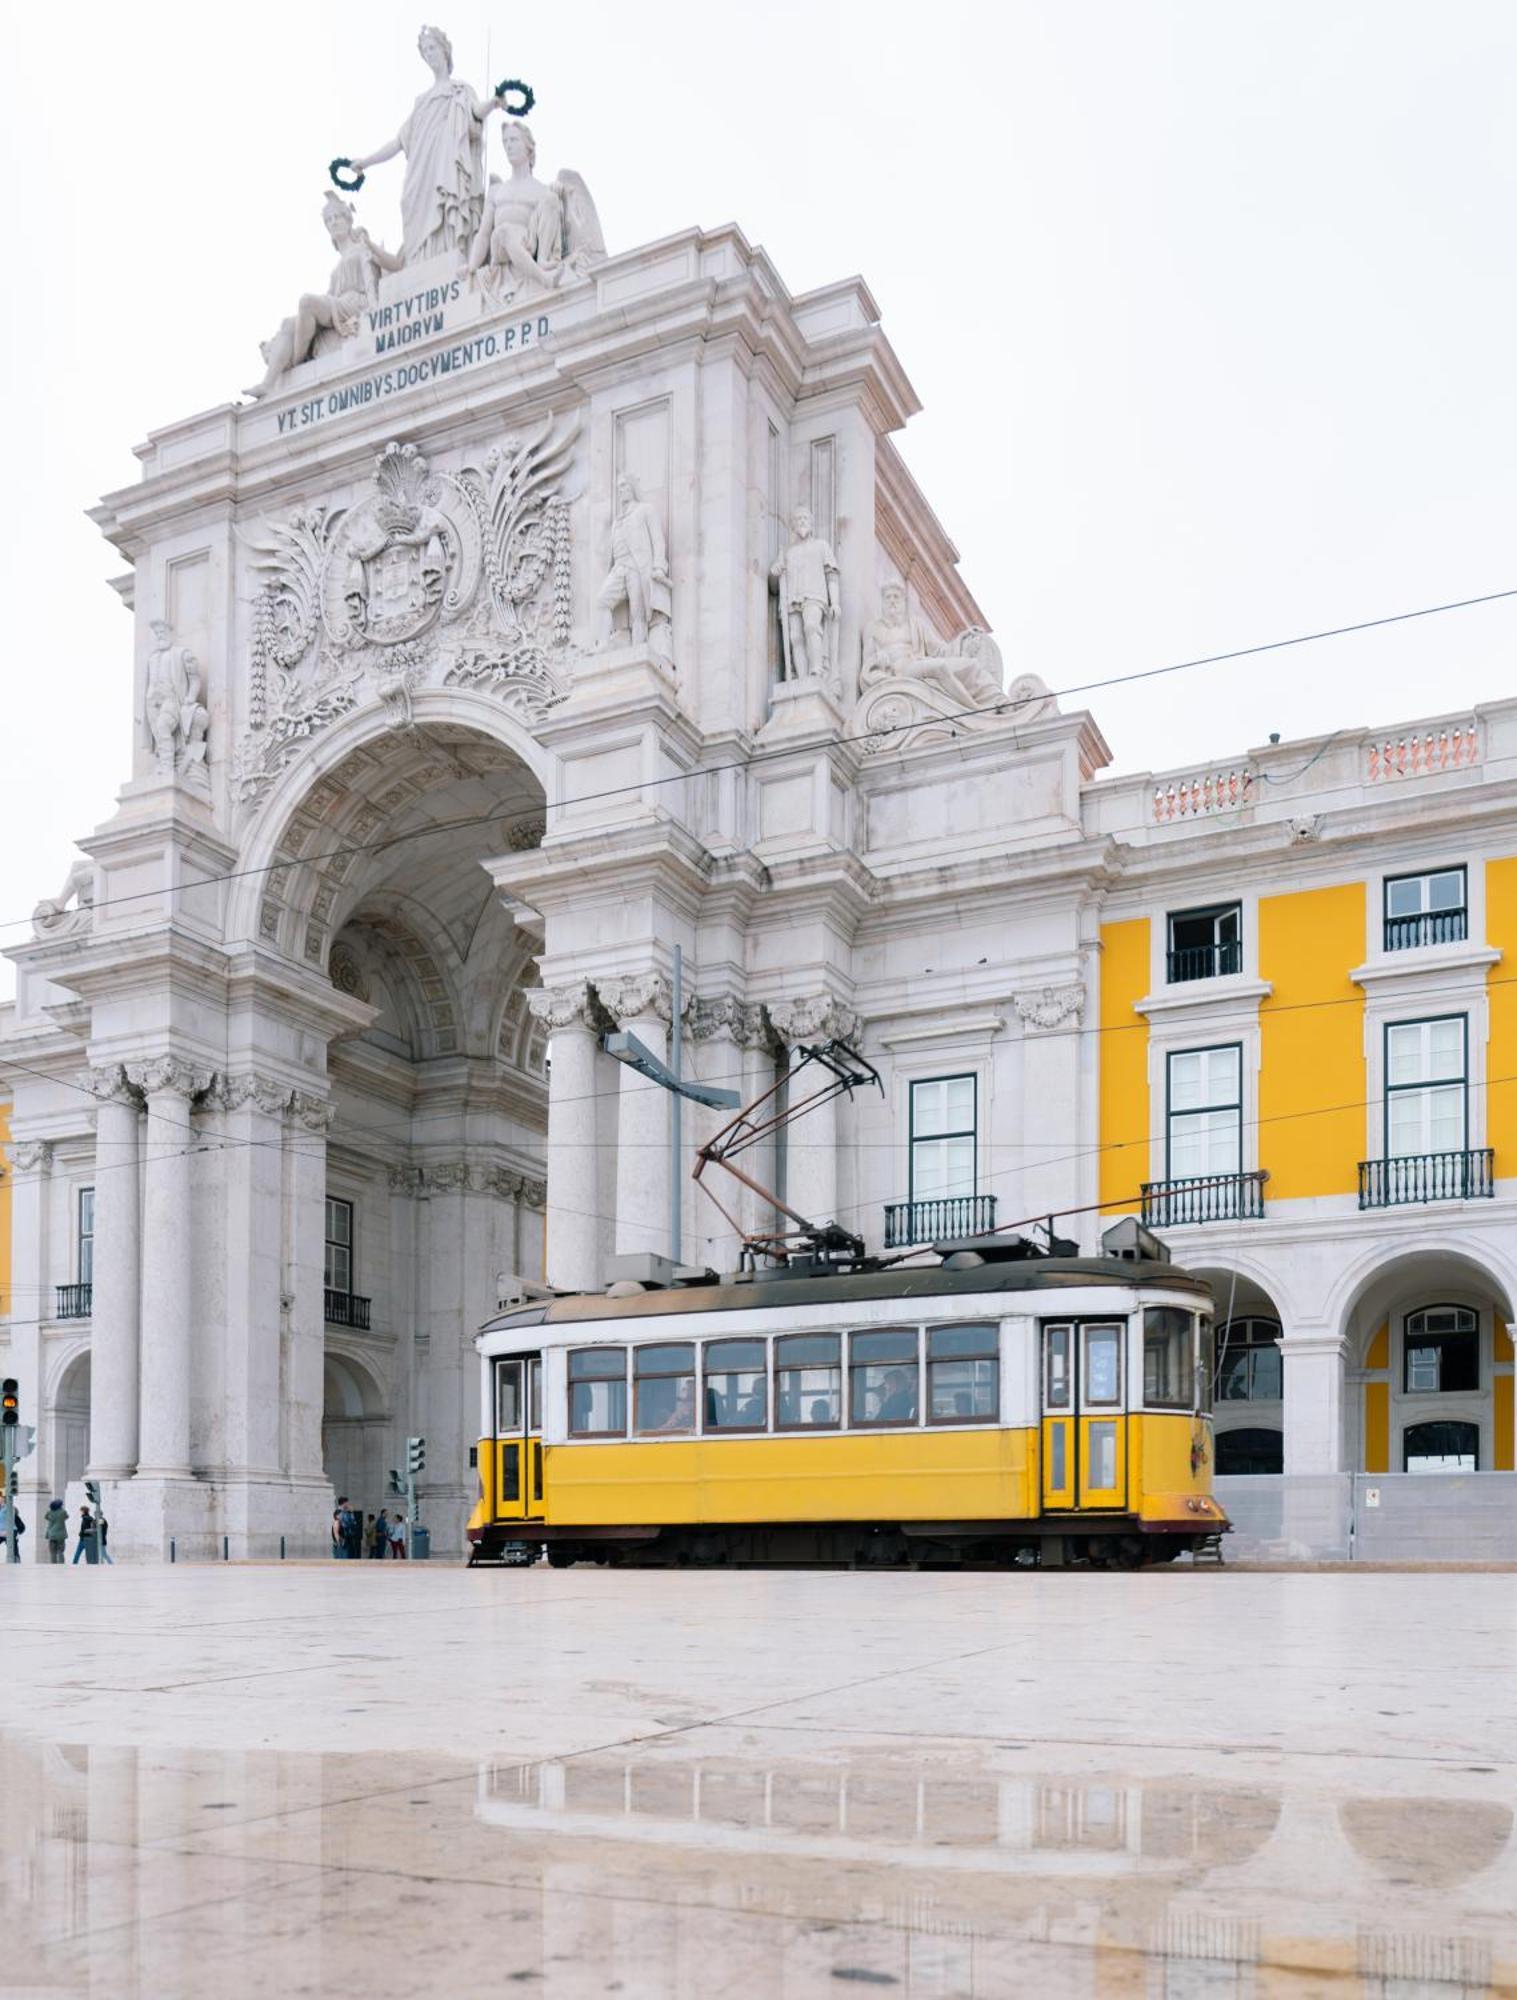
[1182, 1514]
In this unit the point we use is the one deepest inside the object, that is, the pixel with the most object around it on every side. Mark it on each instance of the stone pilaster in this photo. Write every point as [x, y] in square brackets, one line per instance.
[307, 1122]
[811, 1141]
[1052, 1061]
[642, 1004]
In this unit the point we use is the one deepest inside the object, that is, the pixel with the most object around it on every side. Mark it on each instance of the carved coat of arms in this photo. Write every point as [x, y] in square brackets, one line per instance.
[430, 578]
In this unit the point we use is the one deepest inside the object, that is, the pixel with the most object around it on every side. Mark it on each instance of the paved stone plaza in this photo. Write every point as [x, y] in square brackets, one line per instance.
[349, 1781]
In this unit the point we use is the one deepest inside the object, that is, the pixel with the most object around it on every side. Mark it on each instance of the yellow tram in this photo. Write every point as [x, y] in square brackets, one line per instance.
[999, 1405]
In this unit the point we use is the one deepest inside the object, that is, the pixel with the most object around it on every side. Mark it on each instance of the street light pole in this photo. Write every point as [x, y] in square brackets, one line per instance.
[676, 1109]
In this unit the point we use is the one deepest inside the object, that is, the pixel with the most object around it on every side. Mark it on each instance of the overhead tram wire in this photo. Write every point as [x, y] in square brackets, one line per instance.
[525, 815]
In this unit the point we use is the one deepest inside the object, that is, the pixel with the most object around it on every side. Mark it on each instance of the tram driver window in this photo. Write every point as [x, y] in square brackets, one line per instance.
[736, 1385]
[1169, 1365]
[883, 1377]
[598, 1392]
[963, 1374]
[663, 1380]
[808, 1380]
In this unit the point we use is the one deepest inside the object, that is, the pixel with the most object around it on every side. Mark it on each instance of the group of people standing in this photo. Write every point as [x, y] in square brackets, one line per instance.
[94, 1532]
[383, 1534]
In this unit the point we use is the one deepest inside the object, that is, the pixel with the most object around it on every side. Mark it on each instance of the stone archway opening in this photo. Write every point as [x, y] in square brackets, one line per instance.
[70, 1416]
[1248, 1411]
[1429, 1352]
[435, 1154]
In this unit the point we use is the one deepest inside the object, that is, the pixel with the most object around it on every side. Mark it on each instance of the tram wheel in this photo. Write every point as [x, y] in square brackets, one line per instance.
[559, 1558]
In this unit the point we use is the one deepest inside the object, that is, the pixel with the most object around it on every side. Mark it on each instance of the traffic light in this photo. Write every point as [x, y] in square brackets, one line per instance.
[10, 1401]
[397, 1486]
[92, 1493]
[416, 1455]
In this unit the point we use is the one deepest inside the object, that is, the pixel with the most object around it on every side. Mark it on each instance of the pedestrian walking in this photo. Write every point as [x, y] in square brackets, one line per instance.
[398, 1539]
[339, 1534]
[353, 1534]
[379, 1534]
[55, 1528]
[88, 1547]
[102, 1529]
[5, 1529]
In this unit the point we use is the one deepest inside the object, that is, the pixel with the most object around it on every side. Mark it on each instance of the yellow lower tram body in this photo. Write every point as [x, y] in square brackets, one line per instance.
[965, 1496]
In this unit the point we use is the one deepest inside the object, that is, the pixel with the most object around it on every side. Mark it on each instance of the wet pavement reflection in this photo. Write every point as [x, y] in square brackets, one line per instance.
[935, 1870]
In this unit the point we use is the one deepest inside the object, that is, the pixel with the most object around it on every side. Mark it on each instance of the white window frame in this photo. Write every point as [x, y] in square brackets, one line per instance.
[1201, 1049]
[83, 1235]
[969, 1074]
[330, 1243]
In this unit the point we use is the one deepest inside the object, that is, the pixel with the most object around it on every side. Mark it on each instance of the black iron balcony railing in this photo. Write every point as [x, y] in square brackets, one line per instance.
[74, 1301]
[1204, 961]
[1204, 1198]
[1414, 1177]
[908, 1222]
[1431, 927]
[347, 1309]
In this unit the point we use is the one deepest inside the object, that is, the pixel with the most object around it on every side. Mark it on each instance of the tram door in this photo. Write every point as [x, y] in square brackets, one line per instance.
[1084, 1438]
[518, 1438]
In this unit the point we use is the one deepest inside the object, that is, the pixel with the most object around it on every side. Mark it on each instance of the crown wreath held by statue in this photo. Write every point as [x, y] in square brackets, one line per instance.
[527, 97]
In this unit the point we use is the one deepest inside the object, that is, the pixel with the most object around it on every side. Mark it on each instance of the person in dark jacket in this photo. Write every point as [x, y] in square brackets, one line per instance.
[55, 1528]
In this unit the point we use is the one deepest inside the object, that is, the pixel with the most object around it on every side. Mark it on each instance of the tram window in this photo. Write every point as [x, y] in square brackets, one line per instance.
[808, 1381]
[963, 1374]
[883, 1377]
[1056, 1341]
[534, 1396]
[1101, 1386]
[737, 1386]
[598, 1392]
[1169, 1362]
[507, 1397]
[1206, 1362]
[664, 1387]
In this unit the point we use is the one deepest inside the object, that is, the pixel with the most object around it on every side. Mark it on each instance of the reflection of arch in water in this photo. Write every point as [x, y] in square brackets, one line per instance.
[1437, 1842]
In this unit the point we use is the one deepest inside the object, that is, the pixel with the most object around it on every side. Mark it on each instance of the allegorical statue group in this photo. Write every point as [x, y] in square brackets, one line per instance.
[515, 236]
[512, 235]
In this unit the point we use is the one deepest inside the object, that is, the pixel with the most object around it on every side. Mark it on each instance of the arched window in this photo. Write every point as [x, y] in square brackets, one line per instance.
[1248, 1362]
[1249, 1451]
[1441, 1351]
[1441, 1446]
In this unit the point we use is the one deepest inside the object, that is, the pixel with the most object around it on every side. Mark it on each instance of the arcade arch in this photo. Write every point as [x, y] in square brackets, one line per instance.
[1429, 1355]
[1249, 1393]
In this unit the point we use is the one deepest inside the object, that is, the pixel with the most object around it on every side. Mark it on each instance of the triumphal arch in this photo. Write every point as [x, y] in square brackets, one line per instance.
[547, 605]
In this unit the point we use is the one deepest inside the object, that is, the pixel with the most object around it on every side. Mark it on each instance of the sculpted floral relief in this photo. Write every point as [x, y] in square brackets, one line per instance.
[440, 578]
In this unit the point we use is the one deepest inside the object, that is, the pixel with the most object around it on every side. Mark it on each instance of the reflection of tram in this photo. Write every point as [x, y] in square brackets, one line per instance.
[999, 1405]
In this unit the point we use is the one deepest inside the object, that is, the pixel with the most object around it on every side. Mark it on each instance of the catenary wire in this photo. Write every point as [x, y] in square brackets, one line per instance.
[526, 815]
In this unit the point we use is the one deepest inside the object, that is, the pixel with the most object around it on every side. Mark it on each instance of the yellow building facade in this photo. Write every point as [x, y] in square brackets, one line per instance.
[1308, 1061]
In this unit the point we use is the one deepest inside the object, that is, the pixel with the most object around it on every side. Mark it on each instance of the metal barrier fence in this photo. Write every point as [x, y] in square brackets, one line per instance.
[1371, 1517]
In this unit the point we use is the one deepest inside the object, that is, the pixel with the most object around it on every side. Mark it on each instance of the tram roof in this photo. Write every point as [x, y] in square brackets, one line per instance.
[776, 1293]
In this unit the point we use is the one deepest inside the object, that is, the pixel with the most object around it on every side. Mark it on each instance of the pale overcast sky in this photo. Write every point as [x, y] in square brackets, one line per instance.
[1210, 306]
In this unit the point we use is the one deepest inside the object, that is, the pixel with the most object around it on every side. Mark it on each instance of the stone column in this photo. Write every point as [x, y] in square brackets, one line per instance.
[642, 1005]
[32, 1279]
[1051, 1052]
[811, 1141]
[168, 1305]
[253, 1107]
[734, 1047]
[307, 1123]
[1313, 1366]
[114, 1322]
[574, 1231]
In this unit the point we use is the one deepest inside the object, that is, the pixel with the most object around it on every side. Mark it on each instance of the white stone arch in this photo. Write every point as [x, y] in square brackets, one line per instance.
[1375, 1300]
[458, 708]
[1245, 1288]
[356, 1422]
[66, 1404]
[416, 952]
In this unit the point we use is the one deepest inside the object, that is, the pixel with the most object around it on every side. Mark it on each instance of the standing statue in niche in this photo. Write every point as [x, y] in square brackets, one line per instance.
[639, 576]
[806, 577]
[353, 286]
[174, 718]
[533, 238]
[444, 146]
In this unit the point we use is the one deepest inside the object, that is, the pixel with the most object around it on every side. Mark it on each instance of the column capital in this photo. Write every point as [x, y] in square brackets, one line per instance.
[108, 1083]
[1044, 1008]
[314, 1113]
[171, 1076]
[32, 1156]
[560, 1007]
[819, 1017]
[637, 996]
[265, 1093]
[744, 1024]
